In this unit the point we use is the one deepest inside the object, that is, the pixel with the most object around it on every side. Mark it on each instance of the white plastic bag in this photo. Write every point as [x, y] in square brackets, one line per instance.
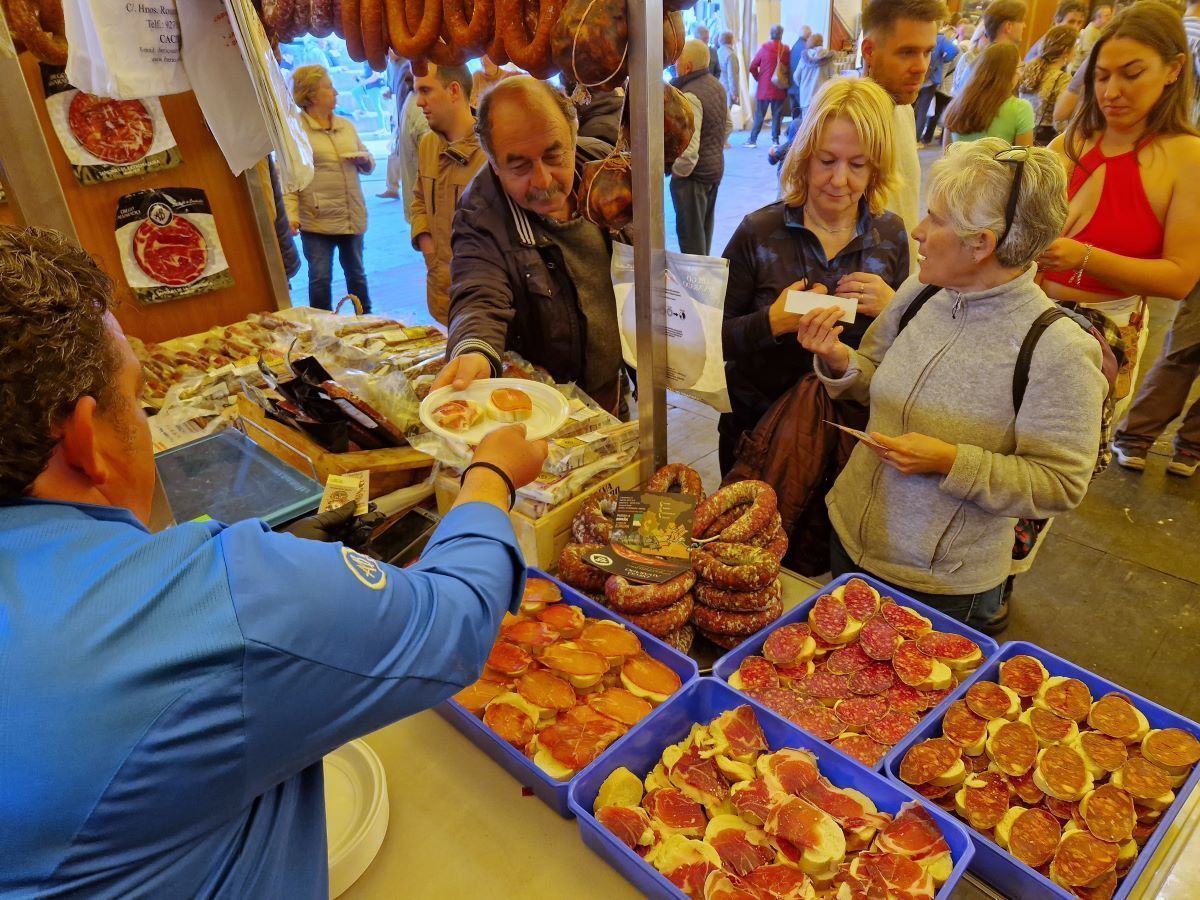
[695, 288]
[222, 83]
[124, 50]
[293, 152]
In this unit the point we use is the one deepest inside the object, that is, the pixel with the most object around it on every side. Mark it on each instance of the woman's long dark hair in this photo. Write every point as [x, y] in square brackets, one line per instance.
[1055, 45]
[990, 84]
[1158, 27]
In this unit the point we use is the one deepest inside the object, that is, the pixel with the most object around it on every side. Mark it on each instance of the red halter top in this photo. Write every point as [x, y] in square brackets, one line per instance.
[1123, 223]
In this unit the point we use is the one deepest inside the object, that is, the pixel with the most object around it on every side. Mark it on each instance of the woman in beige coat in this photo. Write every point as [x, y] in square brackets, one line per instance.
[330, 213]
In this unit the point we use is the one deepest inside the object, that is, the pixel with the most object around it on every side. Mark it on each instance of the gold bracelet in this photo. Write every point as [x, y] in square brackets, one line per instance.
[1077, 279]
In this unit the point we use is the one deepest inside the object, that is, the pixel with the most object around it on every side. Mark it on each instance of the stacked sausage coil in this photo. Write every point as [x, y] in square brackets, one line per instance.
[737, 589]
[664, 610]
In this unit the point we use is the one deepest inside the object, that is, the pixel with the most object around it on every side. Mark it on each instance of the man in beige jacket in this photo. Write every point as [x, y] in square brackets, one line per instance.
[447, 160]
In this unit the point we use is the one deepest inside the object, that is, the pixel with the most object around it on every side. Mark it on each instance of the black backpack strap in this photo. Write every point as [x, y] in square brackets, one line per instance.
[917, 302]
[1025, 357]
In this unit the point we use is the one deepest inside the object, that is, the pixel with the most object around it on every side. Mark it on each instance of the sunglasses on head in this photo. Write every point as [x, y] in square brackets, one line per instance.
[1016, 156]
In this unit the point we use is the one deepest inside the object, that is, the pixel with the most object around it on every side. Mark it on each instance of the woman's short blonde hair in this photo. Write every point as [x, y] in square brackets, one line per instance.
[306, 81]
[971, 186]
[868, 108]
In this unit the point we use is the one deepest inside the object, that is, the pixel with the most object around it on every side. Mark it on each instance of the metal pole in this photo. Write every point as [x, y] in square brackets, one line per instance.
[257, 182]
[30, 180]
[649, 286]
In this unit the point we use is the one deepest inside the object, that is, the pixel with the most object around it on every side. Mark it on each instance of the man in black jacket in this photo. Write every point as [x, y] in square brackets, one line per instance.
[696, 174]
[527, 272]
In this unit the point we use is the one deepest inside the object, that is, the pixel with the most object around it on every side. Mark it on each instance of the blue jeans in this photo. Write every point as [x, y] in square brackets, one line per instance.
[318, 250]
[760, 113]
[973, 609]
[695, 203]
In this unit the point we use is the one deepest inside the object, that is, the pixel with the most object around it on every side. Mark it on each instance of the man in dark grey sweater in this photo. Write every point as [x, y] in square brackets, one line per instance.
[696, 174]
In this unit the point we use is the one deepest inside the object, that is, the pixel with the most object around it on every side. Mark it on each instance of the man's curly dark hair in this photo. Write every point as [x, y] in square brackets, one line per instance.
[54, 347]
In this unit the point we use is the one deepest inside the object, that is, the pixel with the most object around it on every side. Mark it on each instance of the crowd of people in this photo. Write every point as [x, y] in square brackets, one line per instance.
[1027, 212]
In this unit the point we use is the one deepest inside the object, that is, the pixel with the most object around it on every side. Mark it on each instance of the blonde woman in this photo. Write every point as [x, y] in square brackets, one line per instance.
[829, 233]
[1045, 78]
[986, 106]
[330, 213]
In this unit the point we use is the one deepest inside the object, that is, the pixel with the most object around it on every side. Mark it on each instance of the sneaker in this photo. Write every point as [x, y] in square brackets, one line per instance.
[1131, 457]
[750, 144]
[1184, 464]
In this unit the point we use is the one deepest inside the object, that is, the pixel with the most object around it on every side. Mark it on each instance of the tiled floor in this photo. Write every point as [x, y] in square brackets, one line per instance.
[1117, 585]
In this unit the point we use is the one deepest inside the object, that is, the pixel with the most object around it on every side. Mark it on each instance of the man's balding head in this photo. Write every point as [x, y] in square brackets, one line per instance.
[694, 57]
[528, 129]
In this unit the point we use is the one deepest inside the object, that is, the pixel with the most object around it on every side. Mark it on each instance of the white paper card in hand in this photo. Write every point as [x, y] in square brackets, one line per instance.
[861, 435]
[800, 302]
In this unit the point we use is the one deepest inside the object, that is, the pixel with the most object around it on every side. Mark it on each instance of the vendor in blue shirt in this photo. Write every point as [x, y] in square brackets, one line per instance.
[165, 699]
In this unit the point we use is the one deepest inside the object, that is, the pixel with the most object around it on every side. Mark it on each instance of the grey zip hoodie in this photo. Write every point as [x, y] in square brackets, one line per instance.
[949, 375]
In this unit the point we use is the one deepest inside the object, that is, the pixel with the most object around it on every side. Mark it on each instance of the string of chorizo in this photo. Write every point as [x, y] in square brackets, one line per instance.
[471, 31]
[413, 40]
[530, 53]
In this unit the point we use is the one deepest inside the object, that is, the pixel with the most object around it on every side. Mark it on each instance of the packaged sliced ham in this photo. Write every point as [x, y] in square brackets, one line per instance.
[107, 139]
[169, 244]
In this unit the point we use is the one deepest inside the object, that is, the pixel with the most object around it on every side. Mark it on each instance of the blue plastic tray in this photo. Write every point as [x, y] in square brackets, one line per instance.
[724, 667]
[702, 701]
[551, 791]
[996, 866]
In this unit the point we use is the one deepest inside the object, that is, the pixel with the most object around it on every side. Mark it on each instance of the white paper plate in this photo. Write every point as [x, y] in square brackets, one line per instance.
[356, 812]
[550, 408]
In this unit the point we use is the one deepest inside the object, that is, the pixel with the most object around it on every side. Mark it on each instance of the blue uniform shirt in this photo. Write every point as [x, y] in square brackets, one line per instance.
[165, 699]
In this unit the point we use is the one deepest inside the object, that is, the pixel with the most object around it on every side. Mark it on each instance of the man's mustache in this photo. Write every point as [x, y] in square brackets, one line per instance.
[537, 195]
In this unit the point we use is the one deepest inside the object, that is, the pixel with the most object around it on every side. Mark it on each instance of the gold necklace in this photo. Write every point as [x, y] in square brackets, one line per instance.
[808, 214]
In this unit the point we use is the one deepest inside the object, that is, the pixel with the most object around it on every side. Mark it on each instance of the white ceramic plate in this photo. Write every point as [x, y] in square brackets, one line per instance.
[550, 408]
[356, 812]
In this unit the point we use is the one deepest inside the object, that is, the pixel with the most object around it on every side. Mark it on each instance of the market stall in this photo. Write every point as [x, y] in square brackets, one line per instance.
[832, 736]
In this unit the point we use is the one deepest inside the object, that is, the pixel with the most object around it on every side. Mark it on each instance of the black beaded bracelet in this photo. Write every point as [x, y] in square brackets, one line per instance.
[512, 490]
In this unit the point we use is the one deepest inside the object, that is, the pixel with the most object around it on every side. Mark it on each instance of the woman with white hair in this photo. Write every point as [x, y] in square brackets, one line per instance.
[330, 213]
[959, 453]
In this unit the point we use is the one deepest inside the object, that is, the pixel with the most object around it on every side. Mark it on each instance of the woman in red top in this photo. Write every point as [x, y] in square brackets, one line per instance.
[1132, 158]
[774, 53]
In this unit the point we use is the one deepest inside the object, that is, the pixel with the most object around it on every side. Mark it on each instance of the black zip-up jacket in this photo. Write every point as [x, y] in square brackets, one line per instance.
[509, 285]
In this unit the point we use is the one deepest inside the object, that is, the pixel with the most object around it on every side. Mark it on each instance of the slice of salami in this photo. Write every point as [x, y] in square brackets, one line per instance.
[1106, 752]
[1082, 858]
[986, 800]
[911, 665]
[945, 646]
[1171, 748]
[878, 639]
[619, 705]
[1143, 779]
[1062, 810]
[933, 698]
[545, 689]
[757, 673]
[530, 634]
[892, 728]
[874, 679]
[961, 726]
[475, 697]
[1025, 789]
[1063, 771]
[1109, 814]
[903, 698]
[828, 618]
[866, 750]
[910, 624]
[1070, 698]
[508, 658]
[820, 721]
[787, 703]
[1034, 837]
[860, 599]
[785, 644]
[513, 725]
[847, 660]
[936, 791]
[980, 763]
[859, 712]
[927, 760]
[824, 685]
[1114, 716]
[119, 132]
[1014, 748]
[1049, 727]
[1023, 674]
[987, 700]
